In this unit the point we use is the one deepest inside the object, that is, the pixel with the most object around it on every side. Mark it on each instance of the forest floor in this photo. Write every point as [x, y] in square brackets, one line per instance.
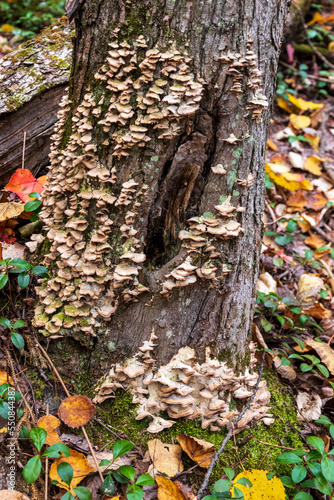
[293, 322]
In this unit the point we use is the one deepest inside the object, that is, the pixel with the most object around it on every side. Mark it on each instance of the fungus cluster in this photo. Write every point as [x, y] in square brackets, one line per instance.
[239, 65]
[185, 388]
[150, 94]
[200, 240]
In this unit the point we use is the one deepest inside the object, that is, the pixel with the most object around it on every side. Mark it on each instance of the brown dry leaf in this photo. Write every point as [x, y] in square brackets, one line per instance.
[308, 290]
[297, 200]
[318, 311]
[316, 117]
[328, 326]
[312, 164]
[324, 351]
[167, 490]
[315, 201]
[5, 378]
[282, 176]
[304, 224]
[198, 450]
[49, 423]
[327, 440]
[80, 465]
[10, 210]
[266, 283]
[76, 411]
[12, 495]
[166, 458]
[287, 372]
[272, 145]
[106, 455]
[299, 121]
[314, 241]
[14, 251]
[314, 141]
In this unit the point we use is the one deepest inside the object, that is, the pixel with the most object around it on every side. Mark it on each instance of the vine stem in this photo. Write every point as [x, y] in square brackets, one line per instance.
[229, 434]
[68, 394]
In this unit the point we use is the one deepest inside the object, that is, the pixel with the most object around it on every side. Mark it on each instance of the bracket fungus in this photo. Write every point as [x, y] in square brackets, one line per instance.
[185, 387]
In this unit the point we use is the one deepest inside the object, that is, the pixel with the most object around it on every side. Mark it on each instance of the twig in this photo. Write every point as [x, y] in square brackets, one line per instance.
[310, 43]
[68, 394]
[229, 434]
[282, 447]
[24, 147]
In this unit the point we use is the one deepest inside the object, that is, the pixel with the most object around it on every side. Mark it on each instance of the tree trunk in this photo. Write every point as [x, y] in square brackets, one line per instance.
[155, 197]
[33, 79]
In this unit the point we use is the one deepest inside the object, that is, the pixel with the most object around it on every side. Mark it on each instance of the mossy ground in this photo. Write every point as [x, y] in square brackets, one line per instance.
[248, 449]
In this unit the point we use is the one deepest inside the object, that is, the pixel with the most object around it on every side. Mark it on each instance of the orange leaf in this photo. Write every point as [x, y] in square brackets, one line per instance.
[167, 490]
[314, 141]
[272, 145]
[22, 183]
[318, 311]
[297, 200]
[76, 411]
[5, 378]
[49, 423]
[80, 466]
[315, 241]
[198, 450]
[324, 351]
[315, 201]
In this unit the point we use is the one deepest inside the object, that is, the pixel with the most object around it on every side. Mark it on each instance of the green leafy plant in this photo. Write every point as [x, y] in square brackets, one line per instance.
[313, 469]
[125, 474]
[6, 394]
[22, 268]
[34, 206]
[16, 338]
[222, 488]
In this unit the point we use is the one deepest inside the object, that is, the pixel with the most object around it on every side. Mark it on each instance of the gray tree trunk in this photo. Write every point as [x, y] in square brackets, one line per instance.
[155, 197]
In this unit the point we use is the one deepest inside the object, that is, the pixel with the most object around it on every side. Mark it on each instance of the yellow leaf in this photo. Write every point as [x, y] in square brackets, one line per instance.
[198, 450]
[261, 488]
[49, 423]
[167, 490]
[5, 378]
[10, 210]
[272, 145]
[331, 46]
[80, 466]
[314, 141]
[3, 430]
[282, 176]
[76, 411]
[7, 28]
[166, 458]
[314, 241]
[312, 164]
[317, 18]
[299, 121]
[302, 104]
[282, 103]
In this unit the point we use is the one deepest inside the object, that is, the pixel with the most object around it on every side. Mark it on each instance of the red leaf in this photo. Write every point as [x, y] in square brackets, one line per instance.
[22, 183]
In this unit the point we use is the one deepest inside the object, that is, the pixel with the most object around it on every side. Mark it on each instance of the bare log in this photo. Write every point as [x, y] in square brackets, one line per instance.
[33, 79]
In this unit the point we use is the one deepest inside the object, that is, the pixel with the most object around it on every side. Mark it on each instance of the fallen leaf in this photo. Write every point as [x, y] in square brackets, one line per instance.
[7, 28]
[10, 210]
[272, 145]
[167, 490]
[286, 371]
[166, 458]
[314, 241]
[282, 176]
[296, 160]
[23, 183]
[76, 411]
[283, 104]
[14, 251]
[262, 488]
[297, 200]
[312, 164]
[302, 104]
[309, 406]
[5, 378]
[49, 423]
[8, 236]
[318, 311]
[324, 351]
[315, 201]
[198, 450]
[266, 283]
[314, 141]
[106, 455]
[80, 466]
[12, 495]
[308, 290]
[299, 121]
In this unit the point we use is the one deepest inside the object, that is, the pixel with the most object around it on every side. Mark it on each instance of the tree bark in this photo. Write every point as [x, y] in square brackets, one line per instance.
[33, 79]
[155, 197]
